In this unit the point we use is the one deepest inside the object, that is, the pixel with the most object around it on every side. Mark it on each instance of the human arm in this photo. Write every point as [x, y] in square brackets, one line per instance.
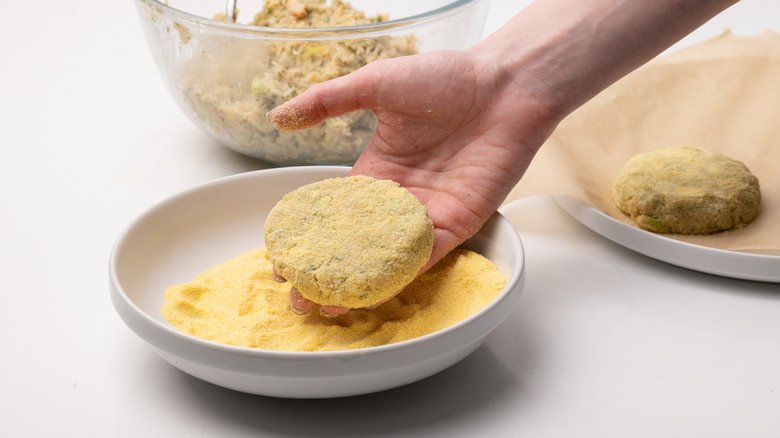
[459, 128]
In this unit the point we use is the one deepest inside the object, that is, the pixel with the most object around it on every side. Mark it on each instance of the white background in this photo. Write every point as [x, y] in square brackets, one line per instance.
[603, 343]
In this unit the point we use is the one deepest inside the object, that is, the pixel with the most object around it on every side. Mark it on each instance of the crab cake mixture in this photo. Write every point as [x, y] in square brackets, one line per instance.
[237, 302]
[687, 190]
[350, 242]
[232, 85]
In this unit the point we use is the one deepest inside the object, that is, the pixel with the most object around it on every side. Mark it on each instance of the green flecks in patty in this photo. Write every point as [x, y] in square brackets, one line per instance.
[658, 225]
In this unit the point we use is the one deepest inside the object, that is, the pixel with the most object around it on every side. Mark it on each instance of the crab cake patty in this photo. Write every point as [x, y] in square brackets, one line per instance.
[687, 190]
[349, 242]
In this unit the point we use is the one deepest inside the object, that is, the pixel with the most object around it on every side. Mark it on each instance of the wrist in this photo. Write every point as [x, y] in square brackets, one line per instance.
[561, 53]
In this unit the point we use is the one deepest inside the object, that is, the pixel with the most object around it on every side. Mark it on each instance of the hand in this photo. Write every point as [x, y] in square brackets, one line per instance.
[459, 139]
[458, 129]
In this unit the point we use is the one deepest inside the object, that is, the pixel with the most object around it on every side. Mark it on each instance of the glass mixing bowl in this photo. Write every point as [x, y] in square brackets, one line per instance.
[227, 75]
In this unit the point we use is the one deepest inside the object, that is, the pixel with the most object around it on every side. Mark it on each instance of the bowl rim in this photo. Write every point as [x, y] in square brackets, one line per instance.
[121, 298]
[313, 33]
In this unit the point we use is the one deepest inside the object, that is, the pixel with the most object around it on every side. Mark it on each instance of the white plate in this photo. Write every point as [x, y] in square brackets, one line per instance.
[725, 263]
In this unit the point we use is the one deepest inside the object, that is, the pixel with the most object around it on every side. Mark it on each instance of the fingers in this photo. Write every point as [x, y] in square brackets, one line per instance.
[299, 304]
[302, 306]
[294, 116]
[277, 276]
[322, 101]
[330, 311]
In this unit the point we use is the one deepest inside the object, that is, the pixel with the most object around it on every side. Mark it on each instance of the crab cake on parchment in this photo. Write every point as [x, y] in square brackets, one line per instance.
[687, 190]
[350, 242]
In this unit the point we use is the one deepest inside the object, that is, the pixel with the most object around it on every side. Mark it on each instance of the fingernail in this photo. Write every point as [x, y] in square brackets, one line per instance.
[277, 277]
[281, 118]
[298, 303]
[285, 118]
[271, 115]
[298, 311]
[324, 313]
[332, 311]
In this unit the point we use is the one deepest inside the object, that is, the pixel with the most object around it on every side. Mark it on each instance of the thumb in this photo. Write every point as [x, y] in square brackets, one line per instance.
[322, 101]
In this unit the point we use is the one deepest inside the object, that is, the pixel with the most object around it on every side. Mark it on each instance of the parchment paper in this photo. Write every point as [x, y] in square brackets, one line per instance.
[722, 94]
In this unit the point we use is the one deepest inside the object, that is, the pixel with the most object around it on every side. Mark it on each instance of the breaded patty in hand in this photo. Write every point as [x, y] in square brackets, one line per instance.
[350, 242]
[687, 190]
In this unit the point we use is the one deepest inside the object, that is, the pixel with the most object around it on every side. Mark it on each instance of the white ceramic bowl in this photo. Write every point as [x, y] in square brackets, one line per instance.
[226, 76]
[188, 233]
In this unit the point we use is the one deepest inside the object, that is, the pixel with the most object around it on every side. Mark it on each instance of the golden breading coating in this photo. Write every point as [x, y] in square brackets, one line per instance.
[687, 190]
[350, 242]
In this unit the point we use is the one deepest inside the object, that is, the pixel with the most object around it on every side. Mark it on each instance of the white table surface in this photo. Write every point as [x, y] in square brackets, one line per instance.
[604, 342]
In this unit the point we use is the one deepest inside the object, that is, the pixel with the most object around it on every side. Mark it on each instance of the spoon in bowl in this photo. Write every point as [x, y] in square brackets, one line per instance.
[230, 10]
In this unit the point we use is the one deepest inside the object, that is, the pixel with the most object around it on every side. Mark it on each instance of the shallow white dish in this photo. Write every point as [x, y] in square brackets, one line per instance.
[733, 264]
[186, 234]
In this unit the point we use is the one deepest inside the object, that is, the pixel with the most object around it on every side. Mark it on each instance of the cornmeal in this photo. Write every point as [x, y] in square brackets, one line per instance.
[237, 302]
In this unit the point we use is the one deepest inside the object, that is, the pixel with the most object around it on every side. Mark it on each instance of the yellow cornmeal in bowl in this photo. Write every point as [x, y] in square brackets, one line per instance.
[238, 302]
